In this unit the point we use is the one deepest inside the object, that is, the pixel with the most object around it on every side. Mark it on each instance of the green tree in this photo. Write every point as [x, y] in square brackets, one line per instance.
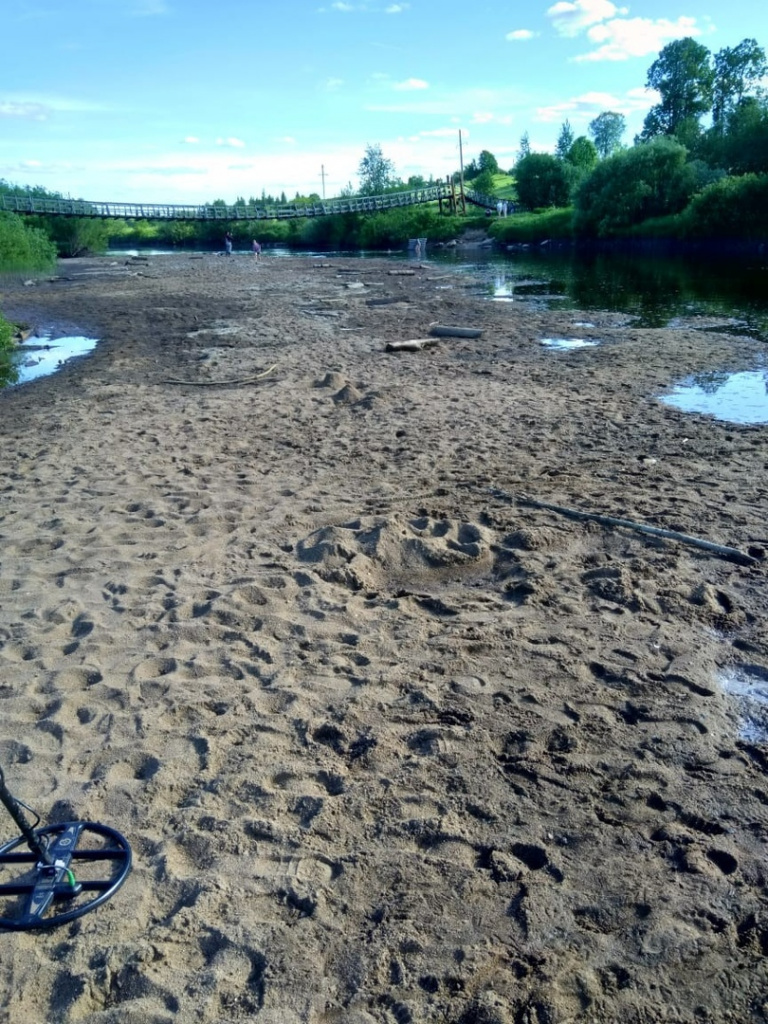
[583, 154]
[606, 131]
[542, 181]
[24, 247]
[738, 71]
[487, 162]
[77, 235]
[375, 172]
[525, 147]
[652, 179]
[564, 140]
[742, 146]
[683, 76]
[484, 183]
[731, 208]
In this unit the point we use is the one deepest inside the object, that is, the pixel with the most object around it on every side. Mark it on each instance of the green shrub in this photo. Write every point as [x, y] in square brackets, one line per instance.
[22, 247]
[533, 228]
[6, 335]
[543, 181]
[649, 180]
[75, 236]
[732, 208]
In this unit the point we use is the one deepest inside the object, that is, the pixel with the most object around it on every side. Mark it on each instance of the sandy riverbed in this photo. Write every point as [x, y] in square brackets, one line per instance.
[388, 748]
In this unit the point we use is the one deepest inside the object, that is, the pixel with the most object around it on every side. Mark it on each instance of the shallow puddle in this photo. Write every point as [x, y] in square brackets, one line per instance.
[748, 685]
[37, 357]
[734, 397]
[503, 290]
[568, 344]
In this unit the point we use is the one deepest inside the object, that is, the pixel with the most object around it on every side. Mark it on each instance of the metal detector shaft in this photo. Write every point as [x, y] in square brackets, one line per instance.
[15, 810]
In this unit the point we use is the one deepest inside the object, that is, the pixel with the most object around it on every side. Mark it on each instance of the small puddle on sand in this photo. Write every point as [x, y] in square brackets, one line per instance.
[568, 344]
[40, 356]
[502, 290]
[748, 685]
[734, 397]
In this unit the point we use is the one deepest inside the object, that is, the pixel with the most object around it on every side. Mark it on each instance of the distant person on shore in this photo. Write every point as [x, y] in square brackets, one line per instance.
[256, 249]
[228, 243]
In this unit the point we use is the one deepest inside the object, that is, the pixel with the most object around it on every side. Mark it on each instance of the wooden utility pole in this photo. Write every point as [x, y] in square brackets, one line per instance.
[461, 177]
[322, 175]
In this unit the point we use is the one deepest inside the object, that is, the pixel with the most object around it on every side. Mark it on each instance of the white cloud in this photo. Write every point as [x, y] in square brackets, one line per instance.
[39, 107]
[571, 18]
[590, 104]
[441, 133]
[396, 8]
[411, 85]
[231, 142]
[25, 110]
[191, 140]
[520, 35]
[288, 139]
[332, 84]
[622, 38]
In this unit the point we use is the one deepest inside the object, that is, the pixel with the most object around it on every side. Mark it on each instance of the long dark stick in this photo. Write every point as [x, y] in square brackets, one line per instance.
[732, 554]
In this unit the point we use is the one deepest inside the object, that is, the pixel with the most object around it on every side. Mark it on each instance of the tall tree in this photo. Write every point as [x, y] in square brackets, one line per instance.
[683, 76]
[738, 71]
[488, 162]
[376, 173]
[582, 155]
[525, 146]
[606, 131]
[564, 140]
[542, 181]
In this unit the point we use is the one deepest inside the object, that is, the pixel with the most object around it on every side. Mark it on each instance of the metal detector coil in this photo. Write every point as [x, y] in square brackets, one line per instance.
[66, 870]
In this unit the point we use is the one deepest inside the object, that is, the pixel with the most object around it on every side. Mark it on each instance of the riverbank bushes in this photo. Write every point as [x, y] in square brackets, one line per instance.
[533, 228]
[389, 229]
[24, 247]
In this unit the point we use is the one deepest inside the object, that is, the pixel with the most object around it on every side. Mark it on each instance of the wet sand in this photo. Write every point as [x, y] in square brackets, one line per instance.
[389, 746]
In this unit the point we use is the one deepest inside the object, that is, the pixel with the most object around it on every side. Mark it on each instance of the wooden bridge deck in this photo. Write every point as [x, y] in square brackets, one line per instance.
[35, 205]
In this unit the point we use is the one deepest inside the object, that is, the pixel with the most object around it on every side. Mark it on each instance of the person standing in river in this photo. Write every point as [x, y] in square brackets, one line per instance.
[256, 249]
[228, 243]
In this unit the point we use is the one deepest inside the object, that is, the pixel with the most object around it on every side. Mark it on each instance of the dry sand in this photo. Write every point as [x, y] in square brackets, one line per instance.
[387, 747]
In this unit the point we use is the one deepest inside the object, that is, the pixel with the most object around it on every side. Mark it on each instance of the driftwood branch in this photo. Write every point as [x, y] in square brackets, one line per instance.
[732, 554]
[221, 383]
[414, 345]
[441, 331]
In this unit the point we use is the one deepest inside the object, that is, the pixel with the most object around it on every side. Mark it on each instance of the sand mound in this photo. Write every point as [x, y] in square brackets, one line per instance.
[377, 553]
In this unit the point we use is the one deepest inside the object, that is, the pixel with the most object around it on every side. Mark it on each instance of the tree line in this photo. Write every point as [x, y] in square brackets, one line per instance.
[698, 168]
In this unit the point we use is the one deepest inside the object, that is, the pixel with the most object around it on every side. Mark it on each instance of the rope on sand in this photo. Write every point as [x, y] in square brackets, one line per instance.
[732, 554]
[220, 383]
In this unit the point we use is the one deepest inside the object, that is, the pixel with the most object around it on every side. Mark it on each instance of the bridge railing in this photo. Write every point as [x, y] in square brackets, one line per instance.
[26, 204]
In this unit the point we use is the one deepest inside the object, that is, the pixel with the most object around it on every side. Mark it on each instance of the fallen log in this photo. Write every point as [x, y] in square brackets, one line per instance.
[413, 345]
[440, 331]
[731, 554]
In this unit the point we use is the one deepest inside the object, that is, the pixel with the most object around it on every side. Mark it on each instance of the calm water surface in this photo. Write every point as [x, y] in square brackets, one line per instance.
[730, 295]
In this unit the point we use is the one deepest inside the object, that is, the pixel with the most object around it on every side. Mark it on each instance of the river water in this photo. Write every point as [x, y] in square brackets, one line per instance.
[727, 295]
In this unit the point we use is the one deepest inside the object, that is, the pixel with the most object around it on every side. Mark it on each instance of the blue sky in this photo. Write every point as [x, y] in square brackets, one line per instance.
[193, 100]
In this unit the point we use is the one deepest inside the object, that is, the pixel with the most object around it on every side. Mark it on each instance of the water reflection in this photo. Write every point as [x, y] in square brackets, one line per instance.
[748, 685]
[734, 397]
[503, 290]
[567, 344]
[39, 356]
[657, 291]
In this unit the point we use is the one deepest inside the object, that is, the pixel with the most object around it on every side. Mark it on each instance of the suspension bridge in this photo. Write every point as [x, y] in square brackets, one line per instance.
[453, 196]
